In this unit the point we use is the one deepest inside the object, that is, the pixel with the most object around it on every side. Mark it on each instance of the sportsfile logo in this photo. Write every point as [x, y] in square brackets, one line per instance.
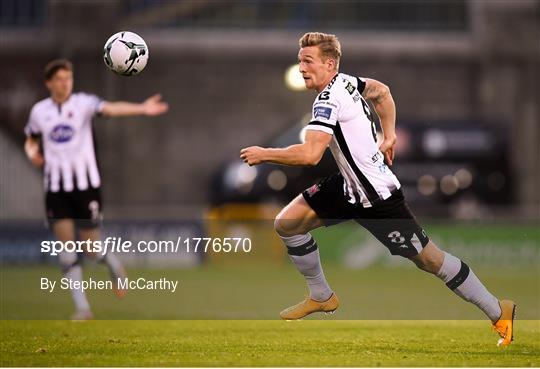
[321, 111]
[121, 245]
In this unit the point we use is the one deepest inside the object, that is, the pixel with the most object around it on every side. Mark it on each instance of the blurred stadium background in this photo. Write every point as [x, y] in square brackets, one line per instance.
[464, 75]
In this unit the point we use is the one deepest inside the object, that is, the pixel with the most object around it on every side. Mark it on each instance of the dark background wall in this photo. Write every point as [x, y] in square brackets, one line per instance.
[226, 91]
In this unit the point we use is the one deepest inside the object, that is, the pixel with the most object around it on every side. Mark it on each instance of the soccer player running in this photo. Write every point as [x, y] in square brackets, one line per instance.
[365, 189]
[60, 139]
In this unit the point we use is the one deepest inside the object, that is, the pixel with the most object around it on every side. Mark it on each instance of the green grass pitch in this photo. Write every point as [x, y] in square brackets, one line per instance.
[227, 315]
[218, 293]
[264, 343]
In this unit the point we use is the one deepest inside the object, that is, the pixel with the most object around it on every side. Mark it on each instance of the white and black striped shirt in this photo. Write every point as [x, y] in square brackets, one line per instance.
[68, 144]
[341, 110]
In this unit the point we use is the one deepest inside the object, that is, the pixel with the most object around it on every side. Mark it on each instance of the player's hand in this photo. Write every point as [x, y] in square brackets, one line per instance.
[154, 106]
[37, 160]
[252, 155]
[33, 153]
[387, 148]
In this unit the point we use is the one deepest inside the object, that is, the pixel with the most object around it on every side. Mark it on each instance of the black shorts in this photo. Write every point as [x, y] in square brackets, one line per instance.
[390, 220]
[82, 206]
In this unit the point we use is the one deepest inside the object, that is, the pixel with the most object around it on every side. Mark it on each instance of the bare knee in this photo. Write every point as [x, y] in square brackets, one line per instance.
[430, 259]
[287, 227]
[296, 218]
[92, 234]
[64, 229]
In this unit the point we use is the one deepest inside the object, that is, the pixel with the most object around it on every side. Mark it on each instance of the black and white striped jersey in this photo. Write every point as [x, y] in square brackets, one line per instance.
[341, 111]
[67, 139]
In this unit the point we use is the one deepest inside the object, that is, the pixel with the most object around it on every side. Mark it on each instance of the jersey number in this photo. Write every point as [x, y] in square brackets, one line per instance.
[325, 95]
[367, 110]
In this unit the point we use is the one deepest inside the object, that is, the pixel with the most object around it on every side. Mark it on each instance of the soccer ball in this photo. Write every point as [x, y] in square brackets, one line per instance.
[125, 53]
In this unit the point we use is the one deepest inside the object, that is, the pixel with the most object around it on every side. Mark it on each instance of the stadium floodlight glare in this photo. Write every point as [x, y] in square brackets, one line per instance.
[449, 184]
[434, 143]
[277, 180]
[293, 78]
[427, 185]
[240, 177]
[464, 178]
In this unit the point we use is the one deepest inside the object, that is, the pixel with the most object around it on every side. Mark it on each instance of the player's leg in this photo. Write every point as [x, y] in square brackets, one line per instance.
[64, 230]
[88, 204]
[460, 278]
[395, 226]
[116, 269]
[293, 224]
[60, 214]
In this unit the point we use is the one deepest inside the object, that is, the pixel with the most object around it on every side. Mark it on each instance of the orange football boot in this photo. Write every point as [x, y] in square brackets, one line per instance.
[505, 325]
[119, 273]
[309, 306]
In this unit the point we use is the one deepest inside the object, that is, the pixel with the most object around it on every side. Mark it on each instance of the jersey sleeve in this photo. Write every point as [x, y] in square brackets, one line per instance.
[93, 103]
[324, 114]
[360, 84]
[32, 128]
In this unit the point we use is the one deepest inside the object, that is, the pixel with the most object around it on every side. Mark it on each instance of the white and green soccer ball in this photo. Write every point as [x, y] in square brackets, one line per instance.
[125, 53]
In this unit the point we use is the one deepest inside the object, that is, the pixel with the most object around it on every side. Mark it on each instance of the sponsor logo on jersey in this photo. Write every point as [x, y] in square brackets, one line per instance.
[350, 88]
[376, 157]
[321, 111]
[329, 103]
[313, 190]
[62, 133]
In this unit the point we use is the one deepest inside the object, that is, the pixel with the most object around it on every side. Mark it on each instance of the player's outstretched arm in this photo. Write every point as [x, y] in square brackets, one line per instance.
[381, 98]
[308, 153]
[150, 107]
[31, 148]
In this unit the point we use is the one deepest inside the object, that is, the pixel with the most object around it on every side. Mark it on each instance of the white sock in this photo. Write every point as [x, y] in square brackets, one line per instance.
[460, 278]
[112, 262]
[79, 296]
[73, 271]
[303, 251]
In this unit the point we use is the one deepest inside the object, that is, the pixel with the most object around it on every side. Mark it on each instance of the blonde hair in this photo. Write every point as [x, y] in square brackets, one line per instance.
[327, 43]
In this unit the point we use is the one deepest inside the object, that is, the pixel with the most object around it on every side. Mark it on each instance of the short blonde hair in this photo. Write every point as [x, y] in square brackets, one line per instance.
[327, 43]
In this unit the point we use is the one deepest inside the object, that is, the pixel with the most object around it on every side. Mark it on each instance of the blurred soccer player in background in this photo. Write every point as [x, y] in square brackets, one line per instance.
[365, 189]
[60, 139]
